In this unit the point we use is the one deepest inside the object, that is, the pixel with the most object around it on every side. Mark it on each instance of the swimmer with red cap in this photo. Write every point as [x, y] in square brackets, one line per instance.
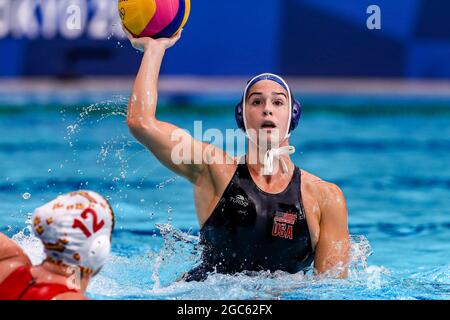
[259, 212]
[75, 230]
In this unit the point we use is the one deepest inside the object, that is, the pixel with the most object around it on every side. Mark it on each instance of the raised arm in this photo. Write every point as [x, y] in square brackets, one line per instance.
[332, 250]
[162, 139]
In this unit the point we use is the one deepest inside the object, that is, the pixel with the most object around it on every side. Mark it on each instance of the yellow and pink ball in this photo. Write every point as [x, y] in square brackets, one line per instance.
[154, 18]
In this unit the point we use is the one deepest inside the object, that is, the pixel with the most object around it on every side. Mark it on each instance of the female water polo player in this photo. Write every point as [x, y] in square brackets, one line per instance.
[258, 212]
[75, 230]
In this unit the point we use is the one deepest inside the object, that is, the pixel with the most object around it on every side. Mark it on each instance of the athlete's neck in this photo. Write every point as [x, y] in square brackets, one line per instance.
[49, 272]
[255, 162]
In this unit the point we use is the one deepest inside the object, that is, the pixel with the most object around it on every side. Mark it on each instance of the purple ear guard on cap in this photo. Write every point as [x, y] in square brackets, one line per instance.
[296, 106]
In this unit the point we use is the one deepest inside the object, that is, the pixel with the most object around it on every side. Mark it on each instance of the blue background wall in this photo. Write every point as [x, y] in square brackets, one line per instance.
[293, 37]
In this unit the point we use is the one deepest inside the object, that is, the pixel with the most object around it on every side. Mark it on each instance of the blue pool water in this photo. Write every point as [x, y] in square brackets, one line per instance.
[392, 166]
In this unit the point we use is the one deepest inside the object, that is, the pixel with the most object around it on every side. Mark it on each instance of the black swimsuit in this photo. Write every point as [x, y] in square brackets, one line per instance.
[252, 230]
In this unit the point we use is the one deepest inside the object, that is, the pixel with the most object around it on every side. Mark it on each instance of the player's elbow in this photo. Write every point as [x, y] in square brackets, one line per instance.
[138, 126]
[134, 125]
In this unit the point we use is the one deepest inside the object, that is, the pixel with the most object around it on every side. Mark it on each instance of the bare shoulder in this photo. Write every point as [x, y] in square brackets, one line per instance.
[70, 296]
[11, 257]
[327, 194]
[9, 249]
[317, 185]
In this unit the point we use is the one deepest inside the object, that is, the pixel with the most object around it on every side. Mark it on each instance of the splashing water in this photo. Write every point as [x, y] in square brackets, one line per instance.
[155, 275]
[30, 244]
[114, 154]
[26, 196]
[102, 110]
[179, 252]
[260, 285]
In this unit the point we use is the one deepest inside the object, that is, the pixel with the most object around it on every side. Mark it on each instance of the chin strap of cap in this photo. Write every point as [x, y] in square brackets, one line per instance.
[276, 154]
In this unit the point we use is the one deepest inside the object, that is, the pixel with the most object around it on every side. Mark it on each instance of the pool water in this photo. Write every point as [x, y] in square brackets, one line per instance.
[392, 166]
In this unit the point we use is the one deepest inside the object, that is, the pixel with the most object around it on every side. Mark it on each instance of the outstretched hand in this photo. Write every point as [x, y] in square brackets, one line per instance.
[142, 44]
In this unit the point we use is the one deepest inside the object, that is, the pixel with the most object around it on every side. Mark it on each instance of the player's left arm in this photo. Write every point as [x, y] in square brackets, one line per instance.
[333, 247]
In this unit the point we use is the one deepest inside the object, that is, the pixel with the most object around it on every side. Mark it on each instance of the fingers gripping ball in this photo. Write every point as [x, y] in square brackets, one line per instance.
[154, 18]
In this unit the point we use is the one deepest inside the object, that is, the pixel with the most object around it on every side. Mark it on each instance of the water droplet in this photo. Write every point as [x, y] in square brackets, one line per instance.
[26, 196]
[49, 170]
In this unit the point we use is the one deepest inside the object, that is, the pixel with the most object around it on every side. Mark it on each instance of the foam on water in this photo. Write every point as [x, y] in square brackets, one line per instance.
[155, 274]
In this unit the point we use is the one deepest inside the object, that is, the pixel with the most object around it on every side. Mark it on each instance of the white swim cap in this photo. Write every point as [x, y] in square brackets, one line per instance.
[76, 230]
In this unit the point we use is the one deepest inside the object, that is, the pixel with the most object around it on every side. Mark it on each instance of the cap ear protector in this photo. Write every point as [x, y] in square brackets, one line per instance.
[296, 108]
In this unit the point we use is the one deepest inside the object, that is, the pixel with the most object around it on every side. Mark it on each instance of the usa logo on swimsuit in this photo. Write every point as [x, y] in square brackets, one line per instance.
[283, 225]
